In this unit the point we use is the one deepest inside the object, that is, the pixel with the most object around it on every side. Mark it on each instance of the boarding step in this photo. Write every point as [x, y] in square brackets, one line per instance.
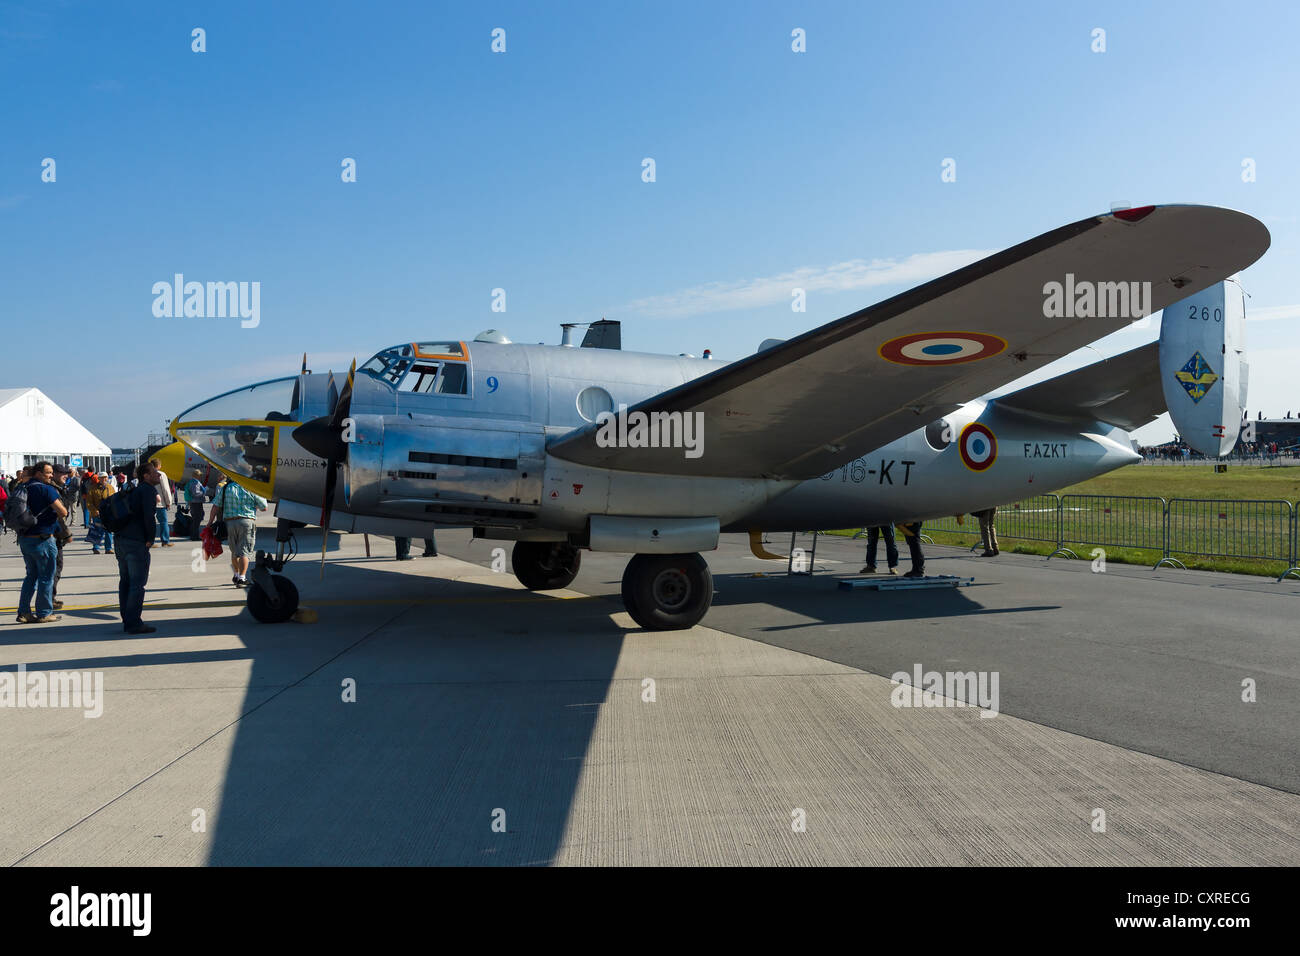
[905, 584]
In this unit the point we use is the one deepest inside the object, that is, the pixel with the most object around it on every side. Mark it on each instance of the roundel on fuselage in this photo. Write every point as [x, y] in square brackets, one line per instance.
[978, 446]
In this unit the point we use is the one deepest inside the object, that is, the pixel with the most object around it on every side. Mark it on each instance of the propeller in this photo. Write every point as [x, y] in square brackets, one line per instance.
[323, 437]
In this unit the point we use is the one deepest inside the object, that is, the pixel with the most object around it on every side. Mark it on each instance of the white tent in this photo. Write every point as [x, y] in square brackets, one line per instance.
[33, 428]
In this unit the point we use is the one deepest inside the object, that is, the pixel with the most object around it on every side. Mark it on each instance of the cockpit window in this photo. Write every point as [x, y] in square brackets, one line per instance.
[454, 380]
[440, 350]
[389, 365]
[423, 368]
[436, 378]
[422, 377]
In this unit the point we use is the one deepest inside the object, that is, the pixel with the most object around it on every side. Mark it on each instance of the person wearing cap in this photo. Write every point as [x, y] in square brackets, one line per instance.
[99, 487]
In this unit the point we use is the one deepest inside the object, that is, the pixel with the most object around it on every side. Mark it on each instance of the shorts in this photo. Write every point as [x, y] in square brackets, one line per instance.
[241, 537]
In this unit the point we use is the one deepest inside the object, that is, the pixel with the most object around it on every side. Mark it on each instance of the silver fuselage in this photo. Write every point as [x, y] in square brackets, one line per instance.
[500, 477]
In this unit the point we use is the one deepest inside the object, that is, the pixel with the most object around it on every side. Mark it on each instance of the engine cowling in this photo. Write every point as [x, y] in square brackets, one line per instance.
[459, 470]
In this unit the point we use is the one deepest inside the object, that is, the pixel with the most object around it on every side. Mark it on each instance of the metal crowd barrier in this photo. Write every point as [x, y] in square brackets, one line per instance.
[1225, 528]
[1261, 530]
[1110, 521]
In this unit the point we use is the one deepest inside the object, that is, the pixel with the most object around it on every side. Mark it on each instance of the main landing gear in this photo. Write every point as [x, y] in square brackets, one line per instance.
[272, 598]
[667, 592]
[662, 592]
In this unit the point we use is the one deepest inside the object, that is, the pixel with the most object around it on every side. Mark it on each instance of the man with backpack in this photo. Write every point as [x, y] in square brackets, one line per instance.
[195, 495]
[33, 511]
[131, 517]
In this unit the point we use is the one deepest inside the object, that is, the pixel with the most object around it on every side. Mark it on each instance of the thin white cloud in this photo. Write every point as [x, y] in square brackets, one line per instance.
[1273, 313]
[768, 290]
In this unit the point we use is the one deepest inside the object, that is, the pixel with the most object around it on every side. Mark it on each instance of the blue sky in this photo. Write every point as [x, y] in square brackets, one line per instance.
[522, 171]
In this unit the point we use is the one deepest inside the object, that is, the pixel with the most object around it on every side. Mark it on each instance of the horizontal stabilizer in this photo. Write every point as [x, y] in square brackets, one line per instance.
[1124, 391]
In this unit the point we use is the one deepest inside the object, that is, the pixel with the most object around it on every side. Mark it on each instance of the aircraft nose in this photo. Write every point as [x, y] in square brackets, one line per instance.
[172, 460]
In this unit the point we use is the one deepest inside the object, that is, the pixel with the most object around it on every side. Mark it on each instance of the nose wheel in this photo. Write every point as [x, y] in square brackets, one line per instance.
[274, 605]
[545, 565]
[272, 598]
[667, 592]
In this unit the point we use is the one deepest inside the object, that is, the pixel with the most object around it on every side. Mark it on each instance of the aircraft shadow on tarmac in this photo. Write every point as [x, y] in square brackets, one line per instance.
[818, 600]
[470, 701]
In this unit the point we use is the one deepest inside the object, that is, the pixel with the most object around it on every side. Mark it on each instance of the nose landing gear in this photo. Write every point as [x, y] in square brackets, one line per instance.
[545, 565]
[272, 598]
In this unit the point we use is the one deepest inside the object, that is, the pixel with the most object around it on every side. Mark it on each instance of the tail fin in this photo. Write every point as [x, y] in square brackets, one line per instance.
[1203, 367]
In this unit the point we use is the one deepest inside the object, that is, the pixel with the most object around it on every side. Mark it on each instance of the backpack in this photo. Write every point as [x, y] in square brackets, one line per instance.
[17, 517]
[116, 511]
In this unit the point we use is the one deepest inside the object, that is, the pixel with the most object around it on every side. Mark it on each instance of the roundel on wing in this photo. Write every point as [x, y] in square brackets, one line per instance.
[941, 348]
[978, 446]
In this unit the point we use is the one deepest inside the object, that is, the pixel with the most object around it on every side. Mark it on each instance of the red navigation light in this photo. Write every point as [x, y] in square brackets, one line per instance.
[1133, 215]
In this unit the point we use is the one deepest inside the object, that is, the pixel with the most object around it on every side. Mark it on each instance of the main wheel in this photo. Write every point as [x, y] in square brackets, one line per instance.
[260, 606]
[545, 565]
[667, 592]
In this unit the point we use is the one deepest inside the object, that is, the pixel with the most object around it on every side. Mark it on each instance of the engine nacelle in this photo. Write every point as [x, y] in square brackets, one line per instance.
[457, 470]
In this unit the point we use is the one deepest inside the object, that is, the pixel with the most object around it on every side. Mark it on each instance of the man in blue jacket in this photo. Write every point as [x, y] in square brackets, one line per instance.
[133, 544]
[40, 550]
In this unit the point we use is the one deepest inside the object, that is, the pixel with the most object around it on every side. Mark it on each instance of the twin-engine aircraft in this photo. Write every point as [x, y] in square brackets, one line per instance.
[875, 417]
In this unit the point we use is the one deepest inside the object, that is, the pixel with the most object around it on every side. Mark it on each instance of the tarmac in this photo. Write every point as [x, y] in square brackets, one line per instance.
[494, 726]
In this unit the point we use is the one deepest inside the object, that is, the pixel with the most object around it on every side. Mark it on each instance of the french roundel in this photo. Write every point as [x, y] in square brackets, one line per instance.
[941, 348]
[978, 446]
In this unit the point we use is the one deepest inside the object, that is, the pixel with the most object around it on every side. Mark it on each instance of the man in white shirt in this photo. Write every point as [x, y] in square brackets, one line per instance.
[165, 501]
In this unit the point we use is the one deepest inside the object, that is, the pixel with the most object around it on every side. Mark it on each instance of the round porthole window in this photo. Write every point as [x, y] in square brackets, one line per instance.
[939, 435]
[593, 400]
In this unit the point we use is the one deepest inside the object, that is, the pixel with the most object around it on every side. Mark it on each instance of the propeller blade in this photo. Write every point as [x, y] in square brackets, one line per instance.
[331, 394]
[344, 405]
[326, 510]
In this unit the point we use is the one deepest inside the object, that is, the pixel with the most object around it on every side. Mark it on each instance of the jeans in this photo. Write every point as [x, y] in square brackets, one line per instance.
[85, 516]
[132, 576]
[108, 540]
[891, 548]
[196, 519]
[40, 555]
[163, 531]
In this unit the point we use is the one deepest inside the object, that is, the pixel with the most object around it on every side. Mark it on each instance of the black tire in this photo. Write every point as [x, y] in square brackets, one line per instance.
[667, 592]
[545, 565]
[259, 604]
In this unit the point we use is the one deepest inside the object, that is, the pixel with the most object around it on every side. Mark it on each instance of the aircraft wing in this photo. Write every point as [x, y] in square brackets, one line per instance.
[806, 406]
[1124, 391]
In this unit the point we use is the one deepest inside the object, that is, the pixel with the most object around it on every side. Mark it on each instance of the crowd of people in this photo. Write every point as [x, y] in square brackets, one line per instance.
[1178, 449]
[125, 513]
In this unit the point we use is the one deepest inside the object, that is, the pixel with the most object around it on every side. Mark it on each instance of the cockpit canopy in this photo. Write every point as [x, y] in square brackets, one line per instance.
[427, 368]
